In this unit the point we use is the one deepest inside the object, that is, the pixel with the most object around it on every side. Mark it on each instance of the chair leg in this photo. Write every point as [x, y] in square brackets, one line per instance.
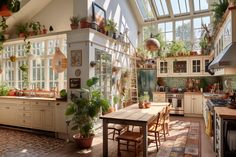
[156, 140]
[167, 128]
[118, 153]
[159, 138]
[135, 149]
[113, 136]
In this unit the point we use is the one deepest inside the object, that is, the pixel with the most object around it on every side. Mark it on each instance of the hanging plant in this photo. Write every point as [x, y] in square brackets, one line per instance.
[13, 58]
[9, 6]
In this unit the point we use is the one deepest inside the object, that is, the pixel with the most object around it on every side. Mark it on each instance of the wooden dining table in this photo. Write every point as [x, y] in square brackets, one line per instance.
[132, 115]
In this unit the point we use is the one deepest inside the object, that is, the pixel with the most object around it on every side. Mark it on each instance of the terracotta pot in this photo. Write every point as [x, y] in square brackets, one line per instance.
[147, 104]
[84, 24]
[83, 143]
[45, 31]
[141, 104]
[74, 26]
[4, 11]
[21, 35]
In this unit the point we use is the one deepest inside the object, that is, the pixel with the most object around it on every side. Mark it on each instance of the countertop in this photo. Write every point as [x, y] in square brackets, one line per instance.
[213, 95]
[30, 98]
[225, 112]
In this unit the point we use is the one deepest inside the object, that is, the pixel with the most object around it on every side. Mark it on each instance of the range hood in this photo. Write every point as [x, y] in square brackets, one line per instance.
[227, 58]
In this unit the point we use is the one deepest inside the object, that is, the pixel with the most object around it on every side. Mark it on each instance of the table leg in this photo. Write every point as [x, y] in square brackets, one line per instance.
[105, 138]
[145, 140]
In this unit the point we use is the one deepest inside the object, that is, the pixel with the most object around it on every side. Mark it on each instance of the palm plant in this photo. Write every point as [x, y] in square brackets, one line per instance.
[219, 9]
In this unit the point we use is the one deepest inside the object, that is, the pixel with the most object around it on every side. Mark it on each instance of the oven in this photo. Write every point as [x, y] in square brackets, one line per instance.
[177, 103]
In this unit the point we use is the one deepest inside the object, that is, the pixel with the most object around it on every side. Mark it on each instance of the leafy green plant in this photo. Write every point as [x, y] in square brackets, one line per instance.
[177, 47]
[74, 19]
[110, 26]
[85, 108]
[22, 28]
[36, 27]
[219, 9]
[4, 89]
[13, 5]
[3, 24]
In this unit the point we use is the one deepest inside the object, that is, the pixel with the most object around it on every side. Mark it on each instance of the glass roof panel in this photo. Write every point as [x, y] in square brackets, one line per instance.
[145, 9]
[175, 6]
[161, 7]
[200, 5]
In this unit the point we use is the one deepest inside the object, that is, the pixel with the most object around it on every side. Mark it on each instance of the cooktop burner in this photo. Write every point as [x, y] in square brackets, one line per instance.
[218, 102]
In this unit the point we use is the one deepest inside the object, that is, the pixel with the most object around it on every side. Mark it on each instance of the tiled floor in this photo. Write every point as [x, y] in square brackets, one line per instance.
[21, 144]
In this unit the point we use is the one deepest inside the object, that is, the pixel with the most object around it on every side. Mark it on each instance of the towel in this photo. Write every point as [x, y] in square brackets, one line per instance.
[209, 125]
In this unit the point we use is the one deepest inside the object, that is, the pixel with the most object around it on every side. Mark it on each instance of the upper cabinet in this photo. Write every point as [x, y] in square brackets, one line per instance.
[183, 66]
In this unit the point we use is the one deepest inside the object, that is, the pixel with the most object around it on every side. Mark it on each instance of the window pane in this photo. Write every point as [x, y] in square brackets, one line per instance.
[175, 6]
[169, 26]
[161, 7]
[145, 9]
[197, 23]
[201, 5]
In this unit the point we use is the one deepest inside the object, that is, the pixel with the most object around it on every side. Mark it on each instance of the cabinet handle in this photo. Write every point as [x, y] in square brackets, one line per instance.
[23, 121]
[57, 104]
[24, 114]
[23, 108]
[36, 103]
[42, 110]
[7, 107]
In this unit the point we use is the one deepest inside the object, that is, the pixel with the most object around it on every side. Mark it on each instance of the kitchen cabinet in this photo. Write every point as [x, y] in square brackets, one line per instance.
[159, 96]
[193, 103]
[183, 66]
[24, 114]
[43, 115]
[60, 117]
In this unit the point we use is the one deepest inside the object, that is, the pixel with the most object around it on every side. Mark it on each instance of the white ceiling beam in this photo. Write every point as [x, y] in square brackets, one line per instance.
[169, 6]
[191, 7]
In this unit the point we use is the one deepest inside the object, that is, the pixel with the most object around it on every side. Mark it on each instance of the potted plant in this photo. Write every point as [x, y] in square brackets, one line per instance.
[84, 22]
[84, 109]
[9, 6]
[22, 30]
[35, 28]
[4, 26]
[177, 48]
[74, 22]
[44, 30]
[110, 28]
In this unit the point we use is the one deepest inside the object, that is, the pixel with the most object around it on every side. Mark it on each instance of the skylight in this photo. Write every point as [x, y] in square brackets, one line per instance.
[161, 7]
[200, 5]
[145, 9]
[180, 6]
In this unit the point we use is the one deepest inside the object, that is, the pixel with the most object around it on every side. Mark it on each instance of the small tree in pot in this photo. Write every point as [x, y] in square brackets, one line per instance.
[84, 110]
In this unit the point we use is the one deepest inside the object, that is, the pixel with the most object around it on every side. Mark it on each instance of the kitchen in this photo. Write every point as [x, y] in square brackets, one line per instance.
[199, 81]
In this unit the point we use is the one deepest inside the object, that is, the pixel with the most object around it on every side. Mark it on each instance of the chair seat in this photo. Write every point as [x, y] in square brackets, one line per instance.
[130, 136]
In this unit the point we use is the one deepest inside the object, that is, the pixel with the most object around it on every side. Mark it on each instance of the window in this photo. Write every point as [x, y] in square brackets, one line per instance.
[103, 72]
[161, 7]
[145, 9]
[40, 73]
[148, 30]
[180, 6]
[166, 29]
[183, 32]
[200, 5]
[197, 30]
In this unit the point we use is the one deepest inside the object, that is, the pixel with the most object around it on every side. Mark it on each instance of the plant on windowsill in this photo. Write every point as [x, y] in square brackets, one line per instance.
[35, 28]
[84, 110]
[22, 30]
[177, 48]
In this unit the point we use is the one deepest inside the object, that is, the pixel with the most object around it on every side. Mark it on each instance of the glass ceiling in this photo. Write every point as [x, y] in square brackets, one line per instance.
[155, 9]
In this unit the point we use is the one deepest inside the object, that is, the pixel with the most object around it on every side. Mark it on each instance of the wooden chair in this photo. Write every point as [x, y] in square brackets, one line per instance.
[167, 119]
[129, 139]
[157, 128]
[116, 129]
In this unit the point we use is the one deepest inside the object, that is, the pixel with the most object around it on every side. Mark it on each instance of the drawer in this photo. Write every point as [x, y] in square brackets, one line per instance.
[42, 103]
[25, 122]
[25, 114]
[24, 107]
[24, 102]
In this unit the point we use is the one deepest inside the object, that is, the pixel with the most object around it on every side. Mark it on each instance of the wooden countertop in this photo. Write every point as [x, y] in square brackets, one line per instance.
[225, 112]
[29, 98]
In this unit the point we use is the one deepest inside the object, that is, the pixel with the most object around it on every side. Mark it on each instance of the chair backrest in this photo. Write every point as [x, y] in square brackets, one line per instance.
[160, 118]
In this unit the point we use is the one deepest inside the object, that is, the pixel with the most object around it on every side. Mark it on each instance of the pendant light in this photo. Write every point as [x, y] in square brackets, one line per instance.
[4, 11]
[152, 44]
[59, 61]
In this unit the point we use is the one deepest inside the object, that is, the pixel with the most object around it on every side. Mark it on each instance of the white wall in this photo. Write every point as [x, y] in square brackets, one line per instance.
[120, 12]
[57, 13]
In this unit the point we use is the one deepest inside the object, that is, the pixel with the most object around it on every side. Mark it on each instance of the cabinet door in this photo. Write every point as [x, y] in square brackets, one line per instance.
[196, 67]
[8, 114]
[188, 103]
[180, 67]
[60, 117]
[48, 119]
[37, 122]
[197, 104]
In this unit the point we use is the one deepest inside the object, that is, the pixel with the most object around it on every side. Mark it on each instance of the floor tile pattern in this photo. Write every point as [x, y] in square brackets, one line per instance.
[15, 143]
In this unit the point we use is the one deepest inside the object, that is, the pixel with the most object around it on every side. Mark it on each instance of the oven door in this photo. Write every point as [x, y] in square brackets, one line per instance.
[177, 106]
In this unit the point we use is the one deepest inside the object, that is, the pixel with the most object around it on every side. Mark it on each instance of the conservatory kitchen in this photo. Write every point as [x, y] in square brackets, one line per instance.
[144, 77]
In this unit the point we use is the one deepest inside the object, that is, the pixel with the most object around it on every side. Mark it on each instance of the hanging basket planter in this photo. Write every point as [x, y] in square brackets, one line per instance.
[12, 58]
[4, 11]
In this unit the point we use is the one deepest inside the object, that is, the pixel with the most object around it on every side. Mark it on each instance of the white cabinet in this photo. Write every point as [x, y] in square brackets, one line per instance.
[60, 118]
[193, 103]
[24, 114]
[43, 115]
[159, 96]
[183, 66]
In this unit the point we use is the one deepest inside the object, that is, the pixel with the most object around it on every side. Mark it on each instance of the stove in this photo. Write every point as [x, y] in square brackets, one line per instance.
[177, 103]
[211, 103]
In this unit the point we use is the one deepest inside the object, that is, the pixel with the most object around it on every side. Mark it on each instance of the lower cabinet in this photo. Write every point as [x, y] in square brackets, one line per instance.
[43, 116]
[193, 103]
